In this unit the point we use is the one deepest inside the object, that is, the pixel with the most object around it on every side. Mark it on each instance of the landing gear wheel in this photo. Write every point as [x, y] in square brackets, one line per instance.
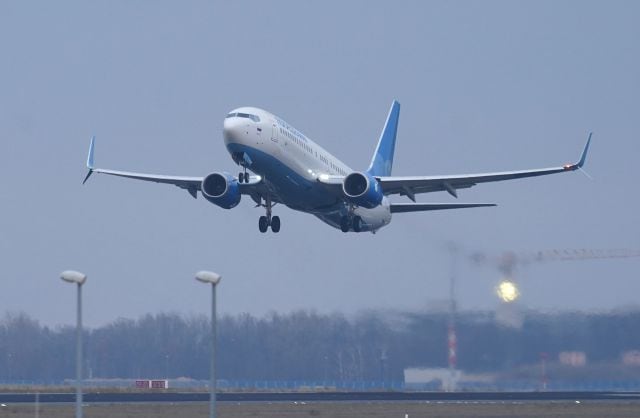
[357, 224]
[263, 224]
[275, 224]
[344, 224]
[241, 178]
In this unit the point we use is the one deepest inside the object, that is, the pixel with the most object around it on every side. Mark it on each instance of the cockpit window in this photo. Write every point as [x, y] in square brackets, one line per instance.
[248, 116]
[243, 115]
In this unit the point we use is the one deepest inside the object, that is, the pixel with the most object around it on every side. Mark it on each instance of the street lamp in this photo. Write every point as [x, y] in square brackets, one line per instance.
[209, 277]
[78, 278]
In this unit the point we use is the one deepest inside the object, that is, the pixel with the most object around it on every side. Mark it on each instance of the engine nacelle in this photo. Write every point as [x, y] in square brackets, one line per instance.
[221, 189]
[362, 189]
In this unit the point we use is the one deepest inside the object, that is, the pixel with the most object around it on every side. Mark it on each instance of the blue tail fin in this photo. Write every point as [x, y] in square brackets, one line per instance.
[382, 160]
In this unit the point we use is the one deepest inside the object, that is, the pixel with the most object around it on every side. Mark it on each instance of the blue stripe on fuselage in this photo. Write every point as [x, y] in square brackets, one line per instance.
[292, 189]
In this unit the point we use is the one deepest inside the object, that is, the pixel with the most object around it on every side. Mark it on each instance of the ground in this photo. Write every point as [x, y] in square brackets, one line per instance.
[339, 410]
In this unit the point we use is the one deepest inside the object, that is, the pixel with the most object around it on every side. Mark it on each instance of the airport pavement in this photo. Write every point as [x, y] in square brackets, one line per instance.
[175, 397]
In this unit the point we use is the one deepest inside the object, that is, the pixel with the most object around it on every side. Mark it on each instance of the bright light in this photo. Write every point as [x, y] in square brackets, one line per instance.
[507, 291]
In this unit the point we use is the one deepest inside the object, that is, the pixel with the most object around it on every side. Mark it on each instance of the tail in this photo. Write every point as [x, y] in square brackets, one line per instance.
[382, 161]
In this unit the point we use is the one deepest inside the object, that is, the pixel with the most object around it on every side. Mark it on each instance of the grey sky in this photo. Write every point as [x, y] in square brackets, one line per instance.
[484, 86]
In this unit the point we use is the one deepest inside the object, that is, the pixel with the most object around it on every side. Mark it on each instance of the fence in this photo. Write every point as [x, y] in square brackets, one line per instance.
[356, 386]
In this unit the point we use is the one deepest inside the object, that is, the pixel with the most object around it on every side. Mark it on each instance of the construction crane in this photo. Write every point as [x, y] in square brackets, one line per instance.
[507, 290]
[508, 314]
[508, 262]
[452, 341]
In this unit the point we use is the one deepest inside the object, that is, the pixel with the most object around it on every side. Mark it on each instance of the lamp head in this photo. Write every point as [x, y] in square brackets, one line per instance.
[208, 277]
[73, 277]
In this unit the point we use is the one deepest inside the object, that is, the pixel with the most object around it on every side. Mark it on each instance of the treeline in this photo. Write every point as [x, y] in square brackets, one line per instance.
[305, 345]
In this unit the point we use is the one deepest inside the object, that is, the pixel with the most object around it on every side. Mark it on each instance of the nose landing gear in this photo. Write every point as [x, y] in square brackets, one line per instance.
[243, 176]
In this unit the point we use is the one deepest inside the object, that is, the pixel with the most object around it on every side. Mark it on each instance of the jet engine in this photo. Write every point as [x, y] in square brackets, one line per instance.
[362, 189]
[221, 189]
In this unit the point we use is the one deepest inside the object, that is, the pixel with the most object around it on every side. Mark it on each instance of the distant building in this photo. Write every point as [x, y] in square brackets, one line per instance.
[573, 358]
[631, 358]
[440, 378]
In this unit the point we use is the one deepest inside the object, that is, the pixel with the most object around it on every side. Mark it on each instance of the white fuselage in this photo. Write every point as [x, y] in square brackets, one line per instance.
[290, 165]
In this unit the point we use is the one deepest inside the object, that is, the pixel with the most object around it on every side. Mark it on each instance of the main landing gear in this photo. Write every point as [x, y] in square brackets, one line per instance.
[264, 222]
[349, 222]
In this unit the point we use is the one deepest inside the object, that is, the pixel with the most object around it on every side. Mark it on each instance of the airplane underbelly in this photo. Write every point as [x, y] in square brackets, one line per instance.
[290, 187]
[300, 195]
[372, 219]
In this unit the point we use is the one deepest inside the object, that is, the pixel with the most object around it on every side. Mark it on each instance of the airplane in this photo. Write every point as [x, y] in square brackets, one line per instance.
[290, 169]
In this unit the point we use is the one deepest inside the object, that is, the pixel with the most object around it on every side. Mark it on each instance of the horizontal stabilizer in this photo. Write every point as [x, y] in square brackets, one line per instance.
[421, 207]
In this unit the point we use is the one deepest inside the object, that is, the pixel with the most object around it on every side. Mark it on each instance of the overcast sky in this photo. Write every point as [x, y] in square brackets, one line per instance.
[484, 86]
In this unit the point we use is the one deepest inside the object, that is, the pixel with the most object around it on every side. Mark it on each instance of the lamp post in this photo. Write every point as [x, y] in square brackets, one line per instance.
[77, 278]
[209, 277]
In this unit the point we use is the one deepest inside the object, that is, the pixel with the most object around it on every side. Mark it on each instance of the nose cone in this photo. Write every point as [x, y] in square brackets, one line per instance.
[234, 130]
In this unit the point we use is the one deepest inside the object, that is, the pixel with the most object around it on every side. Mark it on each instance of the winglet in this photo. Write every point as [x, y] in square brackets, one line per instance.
[90, 159]
[583, 157]
[90, 156]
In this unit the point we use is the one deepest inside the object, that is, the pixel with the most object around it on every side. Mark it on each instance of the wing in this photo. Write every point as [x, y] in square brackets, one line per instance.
[191, 184]
[410, 186]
